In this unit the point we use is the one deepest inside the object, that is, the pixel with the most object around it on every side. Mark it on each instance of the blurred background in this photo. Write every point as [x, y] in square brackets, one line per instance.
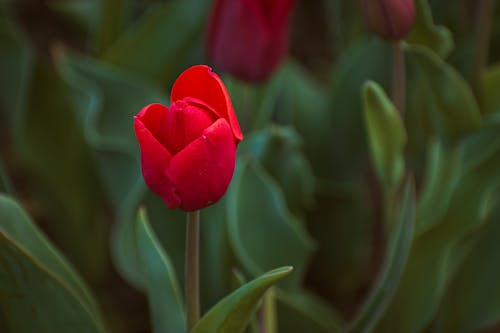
[73, 73]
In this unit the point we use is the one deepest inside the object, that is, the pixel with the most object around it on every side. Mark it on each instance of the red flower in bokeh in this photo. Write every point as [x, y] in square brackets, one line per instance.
[188, 150]
[249, 38]
[390, 19]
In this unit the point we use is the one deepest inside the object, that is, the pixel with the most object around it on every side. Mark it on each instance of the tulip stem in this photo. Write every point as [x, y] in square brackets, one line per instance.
[398, 77]
[192, 269]
[483, 22]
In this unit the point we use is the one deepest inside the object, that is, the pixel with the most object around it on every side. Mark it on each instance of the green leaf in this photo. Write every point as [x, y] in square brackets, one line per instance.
[440, 103]
[35, 278]
[59, 166]
[437, 253]
[490, 99]
[279, 150]
[233, 313]
[106, 101]
[160, 281]
[306, 103]
[346, 144]
[216, 256]
[472, 303]
[262, 231]
[268, 312]
[330, 123]
[158, 46]
[386, 135]
[442, 173]
[397, 254]
[426, 33]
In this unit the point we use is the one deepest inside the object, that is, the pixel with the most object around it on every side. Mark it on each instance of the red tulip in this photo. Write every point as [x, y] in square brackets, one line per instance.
[249, 38]
[391, 19]
[188, 150]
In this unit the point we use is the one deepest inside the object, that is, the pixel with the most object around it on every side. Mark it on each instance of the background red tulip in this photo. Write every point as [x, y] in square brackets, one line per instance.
[249, 38]
[391, 19]
[188, 151]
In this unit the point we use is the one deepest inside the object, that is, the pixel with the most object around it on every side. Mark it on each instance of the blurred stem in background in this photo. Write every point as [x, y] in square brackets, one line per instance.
[398, 77]
[192, 269]
[483, 24]
[392, 195]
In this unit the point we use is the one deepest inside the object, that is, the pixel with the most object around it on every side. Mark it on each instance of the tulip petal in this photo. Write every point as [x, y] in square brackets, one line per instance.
[152, 117]
[201, 83]
[154, 157]
[202, 171]
[249, 38]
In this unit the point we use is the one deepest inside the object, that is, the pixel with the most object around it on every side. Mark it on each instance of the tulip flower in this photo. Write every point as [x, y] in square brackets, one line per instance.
[391, 19]
[249, 38]
[188, 150]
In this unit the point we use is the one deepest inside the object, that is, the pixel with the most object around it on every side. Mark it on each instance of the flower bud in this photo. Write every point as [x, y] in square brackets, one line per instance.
[391, 19]
[188, 150]
[248, 38]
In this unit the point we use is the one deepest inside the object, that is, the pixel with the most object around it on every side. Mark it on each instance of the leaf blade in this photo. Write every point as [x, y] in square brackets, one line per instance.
[232, 314]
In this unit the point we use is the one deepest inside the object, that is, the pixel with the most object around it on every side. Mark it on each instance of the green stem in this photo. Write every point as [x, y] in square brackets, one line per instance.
[398, 77]
[399, 100]
[483, 22]
[192, 269]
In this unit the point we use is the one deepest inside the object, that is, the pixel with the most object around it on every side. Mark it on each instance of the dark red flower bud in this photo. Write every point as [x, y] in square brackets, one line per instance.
[391, 19]
[249, 38]
[188, 151]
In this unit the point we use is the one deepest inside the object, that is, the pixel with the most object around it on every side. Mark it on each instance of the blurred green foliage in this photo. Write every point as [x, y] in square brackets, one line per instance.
[390, 218]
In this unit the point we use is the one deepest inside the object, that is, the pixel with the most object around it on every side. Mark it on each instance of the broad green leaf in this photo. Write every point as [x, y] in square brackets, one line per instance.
[18, 226]
[158, 46]
[426, 33]
[472, 302]
[34, 275]
[386, 135]
[57, 161]
[26, 287]
[106, 101]
[330, 122]
[237, 281]
[304, 312]
[395, 261]
[262, 231]
[233, 313]
[160, 281]
[440, 103]
[490, 100]
[437, 253]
